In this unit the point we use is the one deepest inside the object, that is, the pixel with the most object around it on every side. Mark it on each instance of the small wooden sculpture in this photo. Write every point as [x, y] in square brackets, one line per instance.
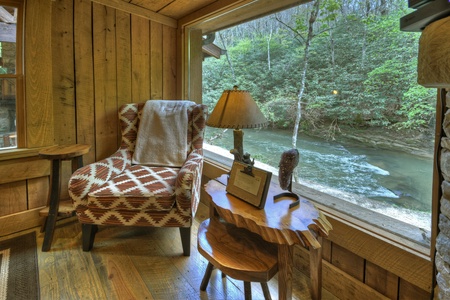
[289, 160]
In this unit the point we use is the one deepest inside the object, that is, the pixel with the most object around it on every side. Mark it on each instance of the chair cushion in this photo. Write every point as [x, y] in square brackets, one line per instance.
[138, 188]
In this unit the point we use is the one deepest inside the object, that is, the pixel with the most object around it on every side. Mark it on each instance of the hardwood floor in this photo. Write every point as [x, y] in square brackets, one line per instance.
[138, 263]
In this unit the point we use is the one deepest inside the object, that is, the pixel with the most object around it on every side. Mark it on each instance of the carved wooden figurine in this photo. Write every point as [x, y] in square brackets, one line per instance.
[289, 160]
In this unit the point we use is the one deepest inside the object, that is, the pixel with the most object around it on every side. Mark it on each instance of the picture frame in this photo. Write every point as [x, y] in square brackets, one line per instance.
[249, 184]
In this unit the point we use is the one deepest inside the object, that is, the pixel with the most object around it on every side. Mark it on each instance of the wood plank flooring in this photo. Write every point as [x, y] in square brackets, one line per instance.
[138, 263]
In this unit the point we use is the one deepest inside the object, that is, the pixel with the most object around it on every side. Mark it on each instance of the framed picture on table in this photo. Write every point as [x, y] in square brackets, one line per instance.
[249, 184]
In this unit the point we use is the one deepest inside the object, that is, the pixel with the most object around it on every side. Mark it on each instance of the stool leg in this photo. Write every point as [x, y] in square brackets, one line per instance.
[77, 162]
[266, 291]
[207, 276]
[247, 290]
[50, 221]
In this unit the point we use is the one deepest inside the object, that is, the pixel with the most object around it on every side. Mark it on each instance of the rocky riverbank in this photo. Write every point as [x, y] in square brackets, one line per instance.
[408, 141]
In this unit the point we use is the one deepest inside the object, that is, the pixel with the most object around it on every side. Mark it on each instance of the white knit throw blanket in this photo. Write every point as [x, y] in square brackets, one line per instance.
[162, 133]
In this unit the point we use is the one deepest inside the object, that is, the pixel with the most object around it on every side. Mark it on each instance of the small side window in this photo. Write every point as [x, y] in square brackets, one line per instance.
[10, 72]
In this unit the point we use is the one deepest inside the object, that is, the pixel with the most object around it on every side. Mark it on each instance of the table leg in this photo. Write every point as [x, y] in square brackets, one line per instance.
[285, 265]
[315, 261]
[50, 222]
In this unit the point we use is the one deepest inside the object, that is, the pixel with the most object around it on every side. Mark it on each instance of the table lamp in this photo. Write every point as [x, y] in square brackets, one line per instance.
[236, 109]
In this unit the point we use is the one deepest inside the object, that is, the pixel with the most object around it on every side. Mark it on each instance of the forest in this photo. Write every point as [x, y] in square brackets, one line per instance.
[327, 66]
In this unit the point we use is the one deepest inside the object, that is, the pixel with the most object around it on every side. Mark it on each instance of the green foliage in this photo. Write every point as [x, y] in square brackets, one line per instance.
[419, 108]
[362, 56]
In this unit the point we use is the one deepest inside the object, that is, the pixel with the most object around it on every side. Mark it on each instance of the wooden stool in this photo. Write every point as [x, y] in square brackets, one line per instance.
[57, 154]
[238, 253]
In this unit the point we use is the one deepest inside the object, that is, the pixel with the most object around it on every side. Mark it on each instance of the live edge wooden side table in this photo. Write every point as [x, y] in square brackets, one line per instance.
[278, 224]
[57, 154]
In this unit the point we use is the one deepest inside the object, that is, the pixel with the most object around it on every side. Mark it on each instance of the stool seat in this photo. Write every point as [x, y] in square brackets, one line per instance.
[64, 152]
[237, 252]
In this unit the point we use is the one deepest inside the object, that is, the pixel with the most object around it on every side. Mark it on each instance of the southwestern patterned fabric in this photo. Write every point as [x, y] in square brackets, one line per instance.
[115, 192]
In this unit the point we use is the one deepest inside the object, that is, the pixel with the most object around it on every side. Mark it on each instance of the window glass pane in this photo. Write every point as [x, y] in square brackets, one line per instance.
[8, 20]
[8, 58]
[366, 131]
[8, 112]
[8, 25]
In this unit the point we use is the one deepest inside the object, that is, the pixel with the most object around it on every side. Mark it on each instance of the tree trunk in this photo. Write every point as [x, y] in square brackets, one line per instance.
[269, 38]
[332, 51]
[312, 19]
[226, 54]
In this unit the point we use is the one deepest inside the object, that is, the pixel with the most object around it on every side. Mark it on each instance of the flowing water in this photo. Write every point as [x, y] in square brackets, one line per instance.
[391, 178]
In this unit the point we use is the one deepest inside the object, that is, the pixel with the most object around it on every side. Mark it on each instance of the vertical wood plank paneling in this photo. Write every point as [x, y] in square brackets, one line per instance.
[84, 75]
[105, 80]
[156, 60]
[123, 46]
[381, 280]
[37, 191]
[63, 80]
[140, 49]
[14, 197]
[169, 58]
[63, 72]
[38, 59]
[349, 262]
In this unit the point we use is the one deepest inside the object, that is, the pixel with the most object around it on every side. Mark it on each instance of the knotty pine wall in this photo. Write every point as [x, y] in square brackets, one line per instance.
[83, 61]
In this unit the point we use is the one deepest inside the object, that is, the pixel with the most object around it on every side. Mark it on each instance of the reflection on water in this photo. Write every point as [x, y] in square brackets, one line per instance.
[400, 179]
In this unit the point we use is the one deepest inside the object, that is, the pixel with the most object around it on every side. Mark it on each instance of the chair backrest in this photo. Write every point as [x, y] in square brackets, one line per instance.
[129, 117]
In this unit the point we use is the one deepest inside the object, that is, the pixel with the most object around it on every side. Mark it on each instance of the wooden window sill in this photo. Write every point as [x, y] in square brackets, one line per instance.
[16, 153]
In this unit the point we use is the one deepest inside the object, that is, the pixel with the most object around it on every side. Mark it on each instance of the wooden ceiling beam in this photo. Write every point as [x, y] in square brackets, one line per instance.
[219, 15]
[139, 11]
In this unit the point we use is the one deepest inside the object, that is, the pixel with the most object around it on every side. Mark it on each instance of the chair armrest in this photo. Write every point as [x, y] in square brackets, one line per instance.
[187, 186]
[91, 176]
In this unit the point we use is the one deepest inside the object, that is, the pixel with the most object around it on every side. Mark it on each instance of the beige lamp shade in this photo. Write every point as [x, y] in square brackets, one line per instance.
[434, 55]
[236, 109]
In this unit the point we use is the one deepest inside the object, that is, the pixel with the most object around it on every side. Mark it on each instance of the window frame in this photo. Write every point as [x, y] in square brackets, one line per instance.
[213, 19]
[18, 76]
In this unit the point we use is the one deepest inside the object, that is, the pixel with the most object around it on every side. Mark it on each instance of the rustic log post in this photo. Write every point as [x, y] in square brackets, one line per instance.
[434, 71]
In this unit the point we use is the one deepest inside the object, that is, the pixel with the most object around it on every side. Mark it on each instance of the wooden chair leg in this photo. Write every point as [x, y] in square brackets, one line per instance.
[266, 291]
[206, 277]
[247, 290]
[185, 233]
[88, 232]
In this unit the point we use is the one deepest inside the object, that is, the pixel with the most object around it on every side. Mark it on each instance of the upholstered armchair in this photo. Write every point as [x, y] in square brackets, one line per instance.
[123, 190]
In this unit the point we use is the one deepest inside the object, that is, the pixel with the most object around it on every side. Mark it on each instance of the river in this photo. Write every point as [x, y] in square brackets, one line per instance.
[389, 178]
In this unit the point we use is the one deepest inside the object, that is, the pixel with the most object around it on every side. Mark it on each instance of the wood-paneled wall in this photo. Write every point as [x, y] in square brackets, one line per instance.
[83, 60]
[110, 58]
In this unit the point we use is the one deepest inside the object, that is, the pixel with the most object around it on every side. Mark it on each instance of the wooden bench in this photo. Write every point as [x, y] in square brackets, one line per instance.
[238, 253]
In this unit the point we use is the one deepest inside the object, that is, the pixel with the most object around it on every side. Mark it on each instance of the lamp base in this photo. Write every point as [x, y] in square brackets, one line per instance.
[238, 150]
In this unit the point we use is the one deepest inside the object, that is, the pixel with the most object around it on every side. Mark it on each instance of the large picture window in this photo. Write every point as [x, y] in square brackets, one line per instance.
[365, 127]
[10, 72]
